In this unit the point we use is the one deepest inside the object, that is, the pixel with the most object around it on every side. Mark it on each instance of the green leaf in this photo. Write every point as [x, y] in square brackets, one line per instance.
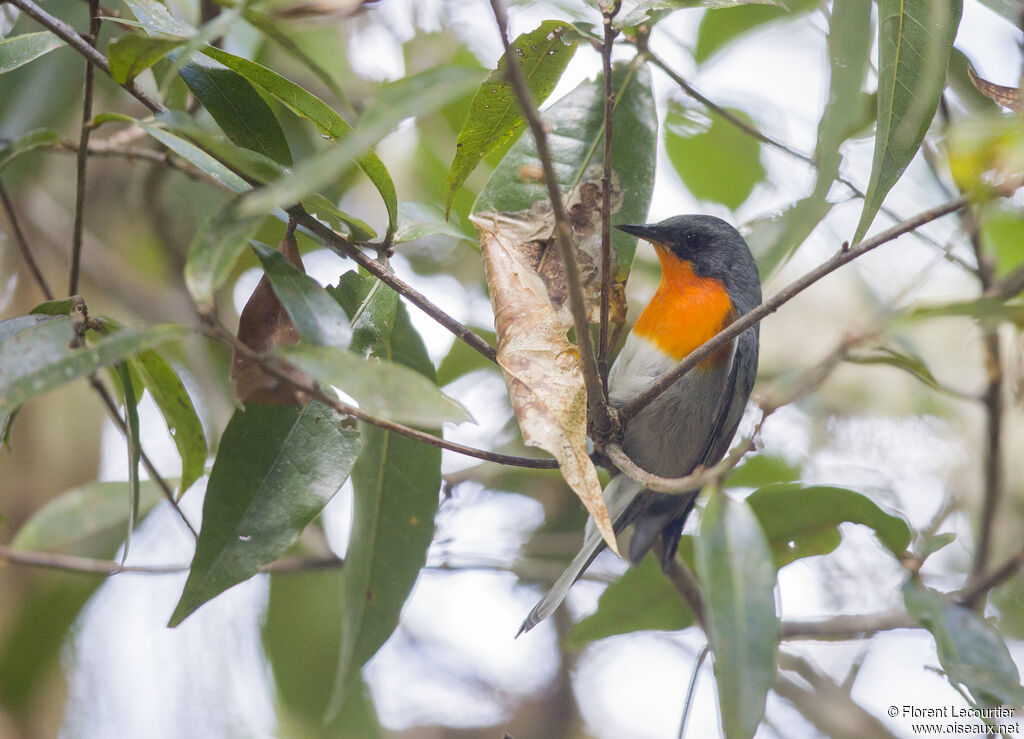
[179, 414]
[396, 483]
[715, 159]
[763, 469]
[317, 316]
[32, 140]
[901, 360]
[651, 11]
[914, 42]
[425, 92]
[87, 521]
[1002, 235]
[130, 54]
[495, 117]
[239, 110]
[371, 306]
[617, 611]
[133, 444]
[849, 45]
[157, 20]
[982, 309]
[337, 219]
[576, 126]
[38, 358]
[382, 388]
[309, 106]
[719, 28]
[462, 359]
[735, 567]
[804, 521]
[276, 468]
[417, 220]
[183, 148]
[19, 50]
[214, 251]
[972, 653]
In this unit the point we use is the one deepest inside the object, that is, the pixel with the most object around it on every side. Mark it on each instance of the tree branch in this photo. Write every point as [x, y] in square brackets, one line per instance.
[601, 414]
[274, 366]
[82, 160]
[603, 348]
[22, 242]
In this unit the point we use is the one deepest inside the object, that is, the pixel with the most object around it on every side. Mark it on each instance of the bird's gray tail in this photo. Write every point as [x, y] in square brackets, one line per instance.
[618, 494]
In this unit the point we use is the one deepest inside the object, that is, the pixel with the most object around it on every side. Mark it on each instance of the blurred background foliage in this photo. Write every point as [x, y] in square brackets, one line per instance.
[922, 421]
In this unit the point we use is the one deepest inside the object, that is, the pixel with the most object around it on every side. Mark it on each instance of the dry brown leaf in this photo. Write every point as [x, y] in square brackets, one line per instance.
[1008, 97]
[540, 365]
[263, 326]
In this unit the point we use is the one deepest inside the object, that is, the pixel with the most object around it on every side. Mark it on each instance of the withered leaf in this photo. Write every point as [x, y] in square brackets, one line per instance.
[1008, 97]
[540, 365]
[263, 326]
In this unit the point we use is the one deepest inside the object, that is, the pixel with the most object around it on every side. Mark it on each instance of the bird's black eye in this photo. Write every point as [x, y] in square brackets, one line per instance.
[693, 240]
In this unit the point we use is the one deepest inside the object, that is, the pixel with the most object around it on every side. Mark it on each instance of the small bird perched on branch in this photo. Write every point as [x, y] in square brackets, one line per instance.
[708, 279]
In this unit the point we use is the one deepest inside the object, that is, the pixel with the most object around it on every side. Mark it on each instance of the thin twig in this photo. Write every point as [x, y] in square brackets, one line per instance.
[82, 161]
[676, 485]
[274, 366]
[845, 628]
[980, 586]
[601, 414]
[340, 245]
[22, 242]
[689, 587]
[69, 35]
[691, 689]
[603, 348]
[741, 324]
[115, 416]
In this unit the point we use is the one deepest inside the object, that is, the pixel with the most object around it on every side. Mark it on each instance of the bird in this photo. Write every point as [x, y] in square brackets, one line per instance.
[708, 279]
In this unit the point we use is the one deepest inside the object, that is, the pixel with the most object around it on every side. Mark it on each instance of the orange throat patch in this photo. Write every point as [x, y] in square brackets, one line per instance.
[686, 310]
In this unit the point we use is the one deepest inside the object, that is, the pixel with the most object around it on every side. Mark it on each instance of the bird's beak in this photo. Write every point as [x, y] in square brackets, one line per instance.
[647, 232]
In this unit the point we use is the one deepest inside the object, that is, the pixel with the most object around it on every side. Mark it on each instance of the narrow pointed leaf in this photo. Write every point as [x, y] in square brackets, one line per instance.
[382, 388]
[309, 106]
[132, 442]
[317, 316]
[179, 414]
[38, 359]
[426, 92]
[396, 496]
[131, 54]
[240, 112]
[495, 117]
[735, 566]
[914, 43]
[972, 653]
[804, 521]
[276, 468]
[19, 50]
[417, 220]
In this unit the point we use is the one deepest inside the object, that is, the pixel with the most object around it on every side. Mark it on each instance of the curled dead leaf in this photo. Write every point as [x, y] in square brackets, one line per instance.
[541, 367]
[1008, 97]
[263, 326]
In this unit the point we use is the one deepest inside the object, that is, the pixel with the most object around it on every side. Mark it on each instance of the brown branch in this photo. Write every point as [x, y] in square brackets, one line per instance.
[980, 585]
[677, 485]
[845, 628]
[70, 36]
[603, 348]
[273, 366]
[340, 245]
[82, 160]
[741, 324]
[22, 242]
[688, 586]
[601, 413]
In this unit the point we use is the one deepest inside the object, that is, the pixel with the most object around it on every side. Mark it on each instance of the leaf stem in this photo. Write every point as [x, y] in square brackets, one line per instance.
[23, 247]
